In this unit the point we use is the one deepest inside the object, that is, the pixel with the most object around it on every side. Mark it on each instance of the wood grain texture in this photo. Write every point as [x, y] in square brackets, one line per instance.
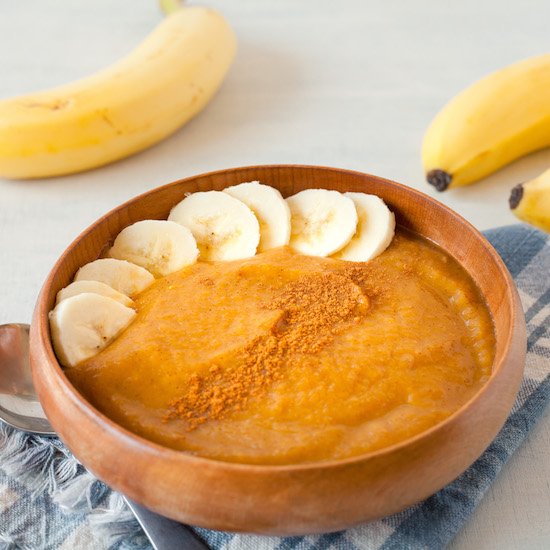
[287, 499]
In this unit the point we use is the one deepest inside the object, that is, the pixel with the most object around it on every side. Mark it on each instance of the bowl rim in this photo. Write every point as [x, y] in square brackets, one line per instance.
[147, 446]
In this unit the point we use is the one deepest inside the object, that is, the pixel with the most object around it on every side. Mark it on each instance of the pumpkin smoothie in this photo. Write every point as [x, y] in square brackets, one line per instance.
[284, 358]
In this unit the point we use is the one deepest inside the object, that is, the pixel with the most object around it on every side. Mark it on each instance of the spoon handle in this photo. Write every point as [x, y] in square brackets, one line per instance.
[164, 533]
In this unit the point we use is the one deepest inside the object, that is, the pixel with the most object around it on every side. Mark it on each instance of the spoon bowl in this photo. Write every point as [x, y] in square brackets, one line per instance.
[19, 405]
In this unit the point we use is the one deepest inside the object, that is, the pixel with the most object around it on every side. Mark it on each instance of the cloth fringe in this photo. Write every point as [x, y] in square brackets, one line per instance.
[45, 465]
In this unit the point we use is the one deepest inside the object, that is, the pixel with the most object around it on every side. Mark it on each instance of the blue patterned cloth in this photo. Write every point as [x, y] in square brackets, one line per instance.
[48, 501]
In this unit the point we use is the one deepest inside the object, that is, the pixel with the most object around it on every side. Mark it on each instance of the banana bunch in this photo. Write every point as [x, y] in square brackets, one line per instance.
[497, 120]
[123, 109]
[232, 224]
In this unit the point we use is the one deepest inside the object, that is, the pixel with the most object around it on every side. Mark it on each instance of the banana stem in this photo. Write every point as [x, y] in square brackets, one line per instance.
[170, 6]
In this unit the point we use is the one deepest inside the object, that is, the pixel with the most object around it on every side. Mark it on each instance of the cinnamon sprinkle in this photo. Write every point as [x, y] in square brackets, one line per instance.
[313, 309]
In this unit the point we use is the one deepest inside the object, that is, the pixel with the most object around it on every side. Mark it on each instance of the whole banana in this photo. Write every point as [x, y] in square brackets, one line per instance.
[123, 109]
[530, 201]
[493, 122]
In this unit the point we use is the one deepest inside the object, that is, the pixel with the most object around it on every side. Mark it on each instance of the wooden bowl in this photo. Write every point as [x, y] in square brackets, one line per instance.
[294, 499]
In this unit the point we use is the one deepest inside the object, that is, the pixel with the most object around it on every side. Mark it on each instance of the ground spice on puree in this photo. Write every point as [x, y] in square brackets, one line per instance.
[288, 359]
[313, 309]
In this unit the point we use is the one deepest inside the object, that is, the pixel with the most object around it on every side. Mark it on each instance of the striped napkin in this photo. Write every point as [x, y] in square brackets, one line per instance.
[48, 501]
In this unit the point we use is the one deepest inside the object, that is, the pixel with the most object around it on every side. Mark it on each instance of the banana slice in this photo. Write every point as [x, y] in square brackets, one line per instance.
[375, 229]
[271, 210]
[323, 221]
[83, 325]
[159, 246]
[224, 227]
[94, 287]
[130, 279]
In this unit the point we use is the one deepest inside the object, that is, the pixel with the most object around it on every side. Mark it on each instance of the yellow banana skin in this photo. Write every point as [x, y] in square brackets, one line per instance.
[530, 201]
[500, 118]
[123, 109]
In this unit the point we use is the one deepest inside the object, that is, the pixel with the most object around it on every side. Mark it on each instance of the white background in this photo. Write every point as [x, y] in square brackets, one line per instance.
[351, 84]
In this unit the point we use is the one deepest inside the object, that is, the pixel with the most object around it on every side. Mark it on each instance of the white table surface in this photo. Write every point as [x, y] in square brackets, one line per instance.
[350, 84]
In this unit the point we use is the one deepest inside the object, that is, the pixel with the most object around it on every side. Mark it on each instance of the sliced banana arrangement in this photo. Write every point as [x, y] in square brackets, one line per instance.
[159, 246]
[232, 224]
[84, 324]
[271, 210]
[322, 221]
[93, 287]
[123, 276]
[375, 229]
[223, 226]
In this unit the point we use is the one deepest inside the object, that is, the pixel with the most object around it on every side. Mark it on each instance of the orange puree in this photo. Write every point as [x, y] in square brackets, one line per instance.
[284, 358]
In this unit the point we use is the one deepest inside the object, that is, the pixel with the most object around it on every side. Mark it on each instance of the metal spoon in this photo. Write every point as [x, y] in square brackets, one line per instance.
[20, 409]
